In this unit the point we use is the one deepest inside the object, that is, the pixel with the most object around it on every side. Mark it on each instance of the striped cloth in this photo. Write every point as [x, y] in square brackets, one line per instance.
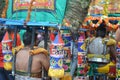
[19, 77]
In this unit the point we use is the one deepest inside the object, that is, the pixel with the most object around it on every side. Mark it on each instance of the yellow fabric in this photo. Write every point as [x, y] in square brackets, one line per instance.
[16, 49]
[105, 69]
[33, 52]
[111, 42]
[85, 43]
[118, 73]
[56, 73]
[107, 56]
[66, 77]
[8, 65]
[38, 51]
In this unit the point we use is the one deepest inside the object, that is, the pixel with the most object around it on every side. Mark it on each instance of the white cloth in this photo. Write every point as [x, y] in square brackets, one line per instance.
[19, 77]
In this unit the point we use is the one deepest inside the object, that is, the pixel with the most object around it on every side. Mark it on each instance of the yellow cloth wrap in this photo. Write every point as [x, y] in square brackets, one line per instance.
[118, 73]
[17, 48]
[66, 77]
[85, 43]
[56, 73]
[38, 51]
[105, 69]
[8, 65]
[107, 56]
[111, 42]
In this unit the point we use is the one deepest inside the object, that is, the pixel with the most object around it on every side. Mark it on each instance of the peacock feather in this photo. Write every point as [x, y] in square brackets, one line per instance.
[76, 11]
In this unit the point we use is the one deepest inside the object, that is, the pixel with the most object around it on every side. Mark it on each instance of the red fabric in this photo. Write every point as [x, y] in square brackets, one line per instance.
[18, 43]
[1, 56]
[52, 36]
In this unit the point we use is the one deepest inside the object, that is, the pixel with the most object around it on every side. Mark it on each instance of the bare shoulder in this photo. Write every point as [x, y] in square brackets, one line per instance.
[41, 56]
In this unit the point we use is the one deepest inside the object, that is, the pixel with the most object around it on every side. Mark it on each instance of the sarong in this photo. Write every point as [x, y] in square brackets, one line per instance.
[19, 77]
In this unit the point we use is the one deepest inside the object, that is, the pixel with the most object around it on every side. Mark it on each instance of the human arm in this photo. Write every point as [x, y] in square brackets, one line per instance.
[112, 53]
[44, 60]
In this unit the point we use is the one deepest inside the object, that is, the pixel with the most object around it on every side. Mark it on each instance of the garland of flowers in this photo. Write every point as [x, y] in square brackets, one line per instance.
[29, 10]
[3, 15]
[89, 22]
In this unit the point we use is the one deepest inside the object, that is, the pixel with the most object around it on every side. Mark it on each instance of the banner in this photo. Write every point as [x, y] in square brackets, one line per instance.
[42, 10]
[19, 5]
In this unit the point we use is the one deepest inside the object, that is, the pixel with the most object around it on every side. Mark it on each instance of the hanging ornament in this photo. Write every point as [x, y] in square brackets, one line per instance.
[56, 58]
[7, 51]
[81, 56]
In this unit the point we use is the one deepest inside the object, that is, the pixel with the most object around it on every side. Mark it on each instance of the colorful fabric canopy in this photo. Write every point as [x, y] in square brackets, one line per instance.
[42, 10]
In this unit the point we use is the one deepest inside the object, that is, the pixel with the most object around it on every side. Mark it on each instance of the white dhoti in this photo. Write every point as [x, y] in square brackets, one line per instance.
[19, 77]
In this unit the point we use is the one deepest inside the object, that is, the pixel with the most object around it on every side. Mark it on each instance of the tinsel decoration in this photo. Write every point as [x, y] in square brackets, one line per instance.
[5, 9]
[105, 11]
[29, 10]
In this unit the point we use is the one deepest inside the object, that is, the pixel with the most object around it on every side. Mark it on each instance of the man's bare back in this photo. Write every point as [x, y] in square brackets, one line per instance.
[39, 60]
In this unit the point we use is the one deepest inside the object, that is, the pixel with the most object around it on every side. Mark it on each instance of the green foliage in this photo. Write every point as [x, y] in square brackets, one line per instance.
[76, 11]
[2, 4]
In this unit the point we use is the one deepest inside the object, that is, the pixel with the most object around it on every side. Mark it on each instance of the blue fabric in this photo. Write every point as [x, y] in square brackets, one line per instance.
[5, 75]
[73, 64]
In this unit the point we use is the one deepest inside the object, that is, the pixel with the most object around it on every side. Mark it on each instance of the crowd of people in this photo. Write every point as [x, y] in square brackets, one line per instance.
[40, 59]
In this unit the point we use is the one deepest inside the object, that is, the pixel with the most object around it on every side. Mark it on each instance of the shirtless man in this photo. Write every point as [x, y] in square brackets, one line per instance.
[22, 58]
[98, 48]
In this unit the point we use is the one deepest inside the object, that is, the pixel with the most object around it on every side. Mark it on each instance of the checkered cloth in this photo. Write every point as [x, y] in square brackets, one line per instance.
[19, 77]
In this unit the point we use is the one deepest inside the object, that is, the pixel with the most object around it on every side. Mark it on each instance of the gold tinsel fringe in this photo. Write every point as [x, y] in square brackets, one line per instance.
[3, 15]
[29, 10]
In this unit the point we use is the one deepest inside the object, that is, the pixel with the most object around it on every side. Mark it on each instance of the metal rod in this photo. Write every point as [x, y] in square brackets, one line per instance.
[14, 54]
[31, 57]
[44, 72]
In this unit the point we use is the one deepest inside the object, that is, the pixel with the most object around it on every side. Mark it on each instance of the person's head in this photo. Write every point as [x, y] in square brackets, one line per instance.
[101, 30]
[27, 38]
[2, 32]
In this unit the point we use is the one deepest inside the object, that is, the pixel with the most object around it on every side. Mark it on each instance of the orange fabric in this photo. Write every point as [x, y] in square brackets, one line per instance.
[6, 37]
[18, 43]
[1, 56]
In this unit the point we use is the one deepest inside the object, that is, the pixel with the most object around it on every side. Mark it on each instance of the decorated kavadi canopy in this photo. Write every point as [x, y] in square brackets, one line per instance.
[103, 10]
[37, 10]
[105, 7]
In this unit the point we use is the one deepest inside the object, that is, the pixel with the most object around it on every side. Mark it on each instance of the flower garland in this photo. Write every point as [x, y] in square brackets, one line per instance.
[89, 21]
[112, 26]
[29, 10]
[3, 15]
[97, 24]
